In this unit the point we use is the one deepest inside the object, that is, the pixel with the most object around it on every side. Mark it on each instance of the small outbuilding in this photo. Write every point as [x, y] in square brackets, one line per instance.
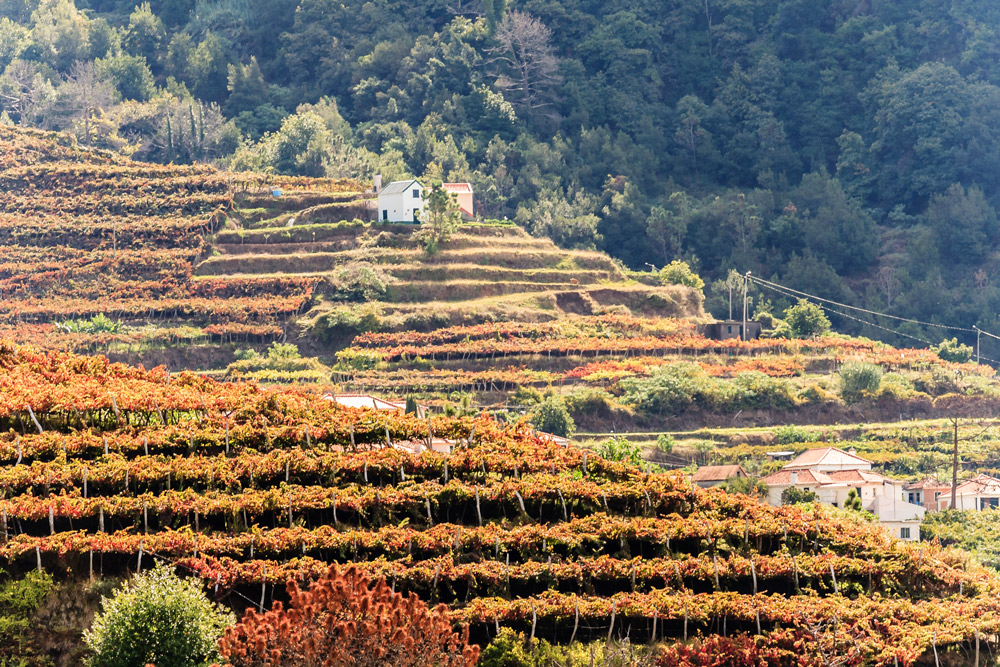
[401, 201]
[730, 329]
[462, 192]
[708, 476]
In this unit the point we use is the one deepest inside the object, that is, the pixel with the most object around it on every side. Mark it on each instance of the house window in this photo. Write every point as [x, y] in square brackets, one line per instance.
[904, 533]
[913, 498]
[730, 330]
[989, 503]
[416, 194]
[385, 214]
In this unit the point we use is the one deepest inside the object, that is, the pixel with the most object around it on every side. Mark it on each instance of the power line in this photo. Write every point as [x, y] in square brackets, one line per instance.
[787, 291]
[859, 309]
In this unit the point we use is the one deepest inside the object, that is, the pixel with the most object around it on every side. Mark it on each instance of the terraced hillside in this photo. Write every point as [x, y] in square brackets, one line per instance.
[185, 265]
[99, 252]
[485, 272]
[107, 469]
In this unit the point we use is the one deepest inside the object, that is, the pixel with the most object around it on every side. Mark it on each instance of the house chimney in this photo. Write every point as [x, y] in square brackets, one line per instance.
[852, 451]
[793, 478]
[377, 182]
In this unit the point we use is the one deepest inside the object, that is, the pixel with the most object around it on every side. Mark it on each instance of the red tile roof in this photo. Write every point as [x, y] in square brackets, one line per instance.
[457, 187]
[717, 473]
[862, 477]
[784, 478]
[979, 484]
[825, 456]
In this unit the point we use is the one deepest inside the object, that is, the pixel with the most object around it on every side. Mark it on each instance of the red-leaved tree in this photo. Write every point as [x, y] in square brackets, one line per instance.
[343, 620]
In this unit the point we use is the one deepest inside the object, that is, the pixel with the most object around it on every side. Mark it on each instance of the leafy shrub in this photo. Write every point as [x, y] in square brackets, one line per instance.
[670, 389]
[359, 281]
[246, 354]
[937, 382]
[343, 619]
[283, 352]
[552, 416]
[895, 386]
[853, 501]
[157, 618]
[789, 434]
[806, 320]
[793, 496]
[512, 649]
[595, 403]
[952, 350]
[858, 380]
[341, 324]
[680, 273]
[665, 443]
[19, 601]
[99, 323]
[756, 390]
[359, 360]
[527, 396]
[816, 395]
[620, 448]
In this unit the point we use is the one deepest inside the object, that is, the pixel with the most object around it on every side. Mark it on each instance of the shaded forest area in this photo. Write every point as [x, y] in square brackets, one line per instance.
[847, 148]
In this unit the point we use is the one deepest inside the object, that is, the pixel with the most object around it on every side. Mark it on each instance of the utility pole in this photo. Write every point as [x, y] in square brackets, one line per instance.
[978, 332]
[746, 290]
[954, 464]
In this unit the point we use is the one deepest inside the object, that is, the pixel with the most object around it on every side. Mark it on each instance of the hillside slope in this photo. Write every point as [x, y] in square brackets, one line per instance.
[109, 468]
[183, 265]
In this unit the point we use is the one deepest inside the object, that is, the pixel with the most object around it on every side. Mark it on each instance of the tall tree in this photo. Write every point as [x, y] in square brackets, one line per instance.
[526, 63]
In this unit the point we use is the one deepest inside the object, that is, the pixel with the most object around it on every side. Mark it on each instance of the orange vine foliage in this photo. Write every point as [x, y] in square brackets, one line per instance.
[342, 620]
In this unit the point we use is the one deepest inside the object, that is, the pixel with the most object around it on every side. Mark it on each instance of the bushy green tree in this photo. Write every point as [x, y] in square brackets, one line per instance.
[805, 319]
[439, 219]
[157, 618]
[678, 272]
[853, 501]
[794, 496]
[859, 380]
[620, 448]
[552, 416]
[952, 350]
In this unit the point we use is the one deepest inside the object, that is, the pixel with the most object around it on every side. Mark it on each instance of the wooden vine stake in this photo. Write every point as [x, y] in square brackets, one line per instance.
[38, 555]
[534, 621]
[576, 619]
[520, 500]
[19, 454]
[263, 587]
[833, 575]
[37, 425]
[611, 626]
[479, 513]
[753, 571]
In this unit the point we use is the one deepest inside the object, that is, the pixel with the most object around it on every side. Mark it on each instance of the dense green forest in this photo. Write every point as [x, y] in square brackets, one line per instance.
[849, 148]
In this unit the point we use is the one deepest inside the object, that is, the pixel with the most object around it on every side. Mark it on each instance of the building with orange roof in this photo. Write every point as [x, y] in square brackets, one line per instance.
[982, 492]
[462, 192]
[828, 459]
[708, 476]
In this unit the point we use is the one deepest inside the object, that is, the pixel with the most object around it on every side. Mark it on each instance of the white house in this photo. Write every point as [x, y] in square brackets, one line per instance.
[832, 474]
[401, 201]
[900, 518]
[373, 403]
[828, 459]
[982, 492]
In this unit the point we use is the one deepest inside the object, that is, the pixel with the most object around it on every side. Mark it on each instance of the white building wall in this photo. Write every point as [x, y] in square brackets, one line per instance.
[893, 528]
[401, 206]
